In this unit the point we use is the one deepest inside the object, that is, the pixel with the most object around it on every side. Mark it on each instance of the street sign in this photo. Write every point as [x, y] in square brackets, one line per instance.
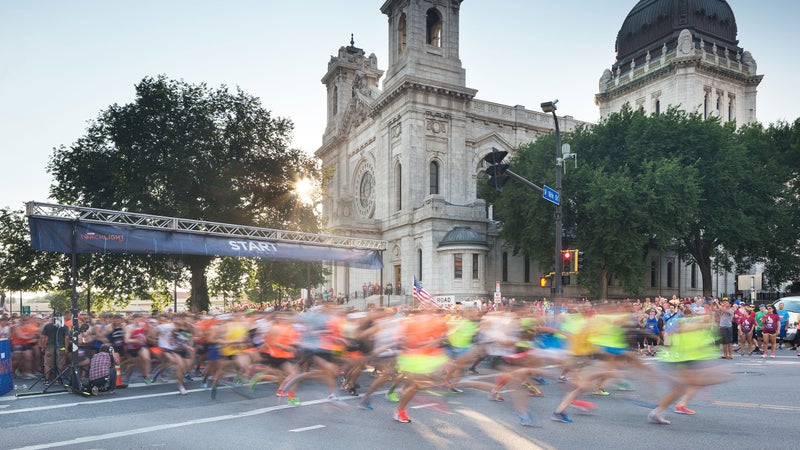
[551, 195]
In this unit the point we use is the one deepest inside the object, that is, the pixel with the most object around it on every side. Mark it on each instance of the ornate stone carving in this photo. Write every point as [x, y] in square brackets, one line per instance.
[685, 44]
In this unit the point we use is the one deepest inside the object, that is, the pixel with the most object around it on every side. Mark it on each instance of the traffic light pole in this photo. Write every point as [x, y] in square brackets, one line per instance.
[557, 282]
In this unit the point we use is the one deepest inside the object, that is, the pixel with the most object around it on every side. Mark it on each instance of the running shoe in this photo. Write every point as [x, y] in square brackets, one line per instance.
[188, 377]
[474, 371]
[148, 380]
[333, 398]
[280, 393]
[452, 388]
[182, 390]
[772, 355]
[624, 386]
[401, 415]
[583, 406]
[365, 405]
[495, 397]
[392, 397]
[540, 380]
[563, 379]
[528, 419]
[680, 409]
[560, 417]
[600, 391]
[657, 418]
[533, 391]
[294, 401]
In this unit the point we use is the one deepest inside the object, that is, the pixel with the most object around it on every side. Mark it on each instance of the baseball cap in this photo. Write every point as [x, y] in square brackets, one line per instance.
[762, 306]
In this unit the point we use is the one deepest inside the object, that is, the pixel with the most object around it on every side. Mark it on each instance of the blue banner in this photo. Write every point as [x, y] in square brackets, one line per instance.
[56, 236]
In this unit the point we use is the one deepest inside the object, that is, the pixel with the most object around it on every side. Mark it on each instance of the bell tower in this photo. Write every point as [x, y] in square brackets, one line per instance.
[423, 42]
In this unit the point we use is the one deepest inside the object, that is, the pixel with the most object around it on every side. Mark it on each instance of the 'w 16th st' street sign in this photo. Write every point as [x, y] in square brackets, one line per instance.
[551, 195]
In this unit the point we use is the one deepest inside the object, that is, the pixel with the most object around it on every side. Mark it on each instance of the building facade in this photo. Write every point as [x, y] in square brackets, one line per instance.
[402, 152]
[681, 53]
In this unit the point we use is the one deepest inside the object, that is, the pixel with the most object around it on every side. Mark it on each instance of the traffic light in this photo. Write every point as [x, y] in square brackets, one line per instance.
[566, 261]
[496, 169]
[580, 261]
[544, 281]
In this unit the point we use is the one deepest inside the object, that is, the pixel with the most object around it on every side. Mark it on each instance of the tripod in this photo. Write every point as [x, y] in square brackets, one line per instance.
[56, 335]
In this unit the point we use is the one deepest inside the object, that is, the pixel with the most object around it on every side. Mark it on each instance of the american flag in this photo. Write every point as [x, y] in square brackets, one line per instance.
[422, 296]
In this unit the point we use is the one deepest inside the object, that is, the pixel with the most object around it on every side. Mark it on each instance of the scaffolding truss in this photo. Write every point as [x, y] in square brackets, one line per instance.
[152, 222]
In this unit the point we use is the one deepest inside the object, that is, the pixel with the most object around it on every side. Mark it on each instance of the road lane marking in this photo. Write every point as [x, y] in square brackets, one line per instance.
[782, 407]
[426, 405]
[168, 426]
[312, 427]
[743, 405]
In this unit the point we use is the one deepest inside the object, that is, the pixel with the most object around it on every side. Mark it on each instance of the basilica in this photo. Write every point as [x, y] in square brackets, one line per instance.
[402, 152]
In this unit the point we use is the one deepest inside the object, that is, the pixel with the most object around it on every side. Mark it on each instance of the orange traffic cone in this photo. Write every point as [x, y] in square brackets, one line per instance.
[119, 374]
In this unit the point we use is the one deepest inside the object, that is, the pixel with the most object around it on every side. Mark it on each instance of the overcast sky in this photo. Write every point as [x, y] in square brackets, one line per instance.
[61, 62]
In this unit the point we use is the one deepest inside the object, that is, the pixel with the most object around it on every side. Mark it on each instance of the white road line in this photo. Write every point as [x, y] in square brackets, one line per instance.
[4, 406]
[93, 402]
[426, 405]
[167, 426]
[300, 430]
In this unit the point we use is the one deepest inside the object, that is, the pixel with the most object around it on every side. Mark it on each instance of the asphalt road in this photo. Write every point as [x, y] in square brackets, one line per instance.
[758, 408]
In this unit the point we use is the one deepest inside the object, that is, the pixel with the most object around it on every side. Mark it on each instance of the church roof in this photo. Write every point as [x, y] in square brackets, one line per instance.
[462, 236]
[652, 23]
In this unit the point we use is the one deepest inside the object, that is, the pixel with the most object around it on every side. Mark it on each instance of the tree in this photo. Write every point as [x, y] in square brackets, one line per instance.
[778, 148]
[21, 267]
[187, 151]
[672, 181]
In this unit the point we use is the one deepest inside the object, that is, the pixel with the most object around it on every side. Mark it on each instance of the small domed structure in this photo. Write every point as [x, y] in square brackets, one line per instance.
[462, 236]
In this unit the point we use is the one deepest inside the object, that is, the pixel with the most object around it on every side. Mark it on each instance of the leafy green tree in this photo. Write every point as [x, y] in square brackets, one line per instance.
[778, 150]
[22, 268]
[188, 151]
[670, 181]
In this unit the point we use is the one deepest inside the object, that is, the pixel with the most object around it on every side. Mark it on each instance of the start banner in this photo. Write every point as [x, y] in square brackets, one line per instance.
[53, 235]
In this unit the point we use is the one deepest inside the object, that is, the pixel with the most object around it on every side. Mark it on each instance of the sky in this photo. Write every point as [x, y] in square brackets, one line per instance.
[62, 63]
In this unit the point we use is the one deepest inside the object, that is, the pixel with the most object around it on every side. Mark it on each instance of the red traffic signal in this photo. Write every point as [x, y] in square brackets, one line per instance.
[566, 255]
[496, 169]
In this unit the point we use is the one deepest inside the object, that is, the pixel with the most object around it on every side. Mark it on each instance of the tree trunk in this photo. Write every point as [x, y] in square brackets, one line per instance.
[705, 272]
[604, 284]
[198, 297]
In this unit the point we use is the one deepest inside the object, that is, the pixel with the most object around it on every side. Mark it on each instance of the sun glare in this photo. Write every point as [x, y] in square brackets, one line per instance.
[304, 188]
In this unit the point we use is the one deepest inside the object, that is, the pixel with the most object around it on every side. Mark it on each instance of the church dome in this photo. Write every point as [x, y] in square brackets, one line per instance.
[462, 236]
[652, 23]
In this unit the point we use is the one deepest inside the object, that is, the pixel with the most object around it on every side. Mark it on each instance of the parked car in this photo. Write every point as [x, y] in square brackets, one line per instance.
[792, 305]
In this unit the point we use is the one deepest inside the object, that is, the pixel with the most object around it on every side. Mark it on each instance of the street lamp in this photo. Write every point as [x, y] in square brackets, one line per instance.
[175, 268]
[550, 107]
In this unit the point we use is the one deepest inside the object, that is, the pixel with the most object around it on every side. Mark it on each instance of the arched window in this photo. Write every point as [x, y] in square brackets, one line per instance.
[398, 187]
[693, 277]
[335, 100]
[433, 34]
[658, 106]
[434, 175]
[401, 34]
[505, 266]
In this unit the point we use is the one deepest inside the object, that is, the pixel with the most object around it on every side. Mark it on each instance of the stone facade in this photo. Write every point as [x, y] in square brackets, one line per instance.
[381, 147]
[402, 162]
